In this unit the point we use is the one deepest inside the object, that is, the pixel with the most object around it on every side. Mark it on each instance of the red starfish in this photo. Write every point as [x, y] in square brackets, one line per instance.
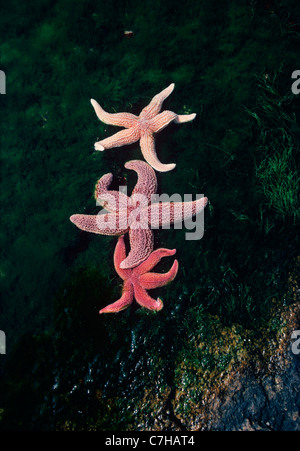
[141, 128]
[138, 280]
[124, 215]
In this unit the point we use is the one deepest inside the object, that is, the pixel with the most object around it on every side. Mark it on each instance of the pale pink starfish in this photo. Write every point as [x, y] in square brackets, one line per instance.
[136, 214]
[138, 280]
[141, 128]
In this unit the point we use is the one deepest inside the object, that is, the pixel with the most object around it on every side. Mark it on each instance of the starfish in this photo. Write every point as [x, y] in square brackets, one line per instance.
[135, 215]
[141, 128]
[138, 280]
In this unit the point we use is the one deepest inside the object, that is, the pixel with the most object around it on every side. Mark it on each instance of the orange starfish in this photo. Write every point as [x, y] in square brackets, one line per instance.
[138, 280]
[141, 128]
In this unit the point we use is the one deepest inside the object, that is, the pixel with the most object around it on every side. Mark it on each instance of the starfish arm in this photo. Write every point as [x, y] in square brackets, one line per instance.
[102, 224]
[111, 200]
[141, 246]
[122, 303]
[146, 301]
[152, 280]
[161, 121]
[164, 213]
[154, 258]
[146, 182]
[119, 256]
[126, 120]
[155, 105]
[181, 118]
[122, 138]
[148, 150]
[103, 184]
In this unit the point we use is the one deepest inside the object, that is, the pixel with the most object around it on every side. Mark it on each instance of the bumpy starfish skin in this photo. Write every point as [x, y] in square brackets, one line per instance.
[138, 280]
[136, 214]
[119, 207]
[141, 128]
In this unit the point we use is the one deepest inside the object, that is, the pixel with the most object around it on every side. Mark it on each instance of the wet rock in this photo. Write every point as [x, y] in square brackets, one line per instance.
[270, 404]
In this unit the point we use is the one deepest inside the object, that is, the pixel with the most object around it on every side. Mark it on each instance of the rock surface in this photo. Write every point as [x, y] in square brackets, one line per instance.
[269, 404]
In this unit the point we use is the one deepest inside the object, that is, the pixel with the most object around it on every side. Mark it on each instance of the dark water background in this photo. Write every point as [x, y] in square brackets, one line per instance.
[231, 63]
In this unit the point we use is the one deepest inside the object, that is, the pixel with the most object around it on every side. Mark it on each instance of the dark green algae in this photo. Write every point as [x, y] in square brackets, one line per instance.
[67, 367]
